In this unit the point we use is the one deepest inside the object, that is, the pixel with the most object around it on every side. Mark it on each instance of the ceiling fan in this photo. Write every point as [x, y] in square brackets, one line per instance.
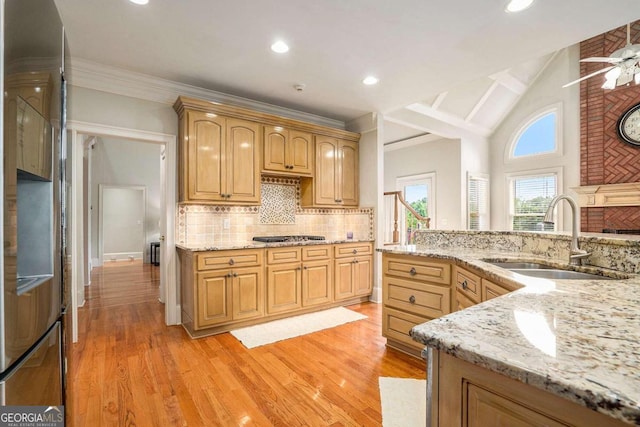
[625, 68]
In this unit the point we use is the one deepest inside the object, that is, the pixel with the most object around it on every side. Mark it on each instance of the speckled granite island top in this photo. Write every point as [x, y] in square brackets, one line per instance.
[578, 339]
[250, 244]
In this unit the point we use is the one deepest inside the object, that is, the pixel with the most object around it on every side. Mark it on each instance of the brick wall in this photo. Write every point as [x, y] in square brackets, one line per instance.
[604, 158]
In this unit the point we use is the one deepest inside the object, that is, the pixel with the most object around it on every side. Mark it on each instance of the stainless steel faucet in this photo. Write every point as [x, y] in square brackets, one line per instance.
[576, 255]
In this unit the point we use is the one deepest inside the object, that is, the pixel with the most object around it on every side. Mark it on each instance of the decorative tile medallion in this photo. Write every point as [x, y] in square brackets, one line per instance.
[278, 204]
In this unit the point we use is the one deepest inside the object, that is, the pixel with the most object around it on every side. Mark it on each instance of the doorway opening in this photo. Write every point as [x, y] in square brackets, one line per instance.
[81, 137]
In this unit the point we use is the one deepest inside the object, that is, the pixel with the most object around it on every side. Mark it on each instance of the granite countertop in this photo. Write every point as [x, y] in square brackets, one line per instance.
[250, 244]
[578, 339]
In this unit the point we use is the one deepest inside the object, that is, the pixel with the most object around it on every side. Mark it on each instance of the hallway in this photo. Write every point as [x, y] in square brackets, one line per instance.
[128, 368]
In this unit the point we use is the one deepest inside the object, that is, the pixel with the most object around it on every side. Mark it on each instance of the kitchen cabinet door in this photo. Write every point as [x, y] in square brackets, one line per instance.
[214, 298]
[284, 288]
[344, 286]
[248, 298]
[348, 182]
[287, 152]
[326, 176]
[316, 283]
[363, 280]
[204, 153]
[242, 162]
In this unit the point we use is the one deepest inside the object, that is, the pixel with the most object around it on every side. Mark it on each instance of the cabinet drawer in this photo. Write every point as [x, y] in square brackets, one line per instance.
[397, 324]
[312, 253]
[468, 284]
[353, 249]
[417, 268]
[224, 259]
[430, 301]
[284, 255]
[462, 301]
[491, 290]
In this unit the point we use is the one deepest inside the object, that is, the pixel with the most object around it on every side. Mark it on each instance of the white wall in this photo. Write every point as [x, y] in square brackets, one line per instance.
[474, 159]
[87, 105]
[546, 91]
[370, 127]
[442, 157]
[122, 162]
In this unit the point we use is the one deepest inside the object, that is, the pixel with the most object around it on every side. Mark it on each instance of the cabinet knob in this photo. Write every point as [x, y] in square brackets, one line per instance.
[231, 261]
[228, 275]
[299, 268]
[235, 274]
[305, 267]
[412, 271]
[464, 284]
[412, 299]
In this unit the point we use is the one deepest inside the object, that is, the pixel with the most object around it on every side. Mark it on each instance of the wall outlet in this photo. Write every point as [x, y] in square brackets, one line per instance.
[226, 224]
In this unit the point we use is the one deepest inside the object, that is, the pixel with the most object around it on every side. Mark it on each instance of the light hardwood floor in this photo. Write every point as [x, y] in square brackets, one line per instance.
[129, 369]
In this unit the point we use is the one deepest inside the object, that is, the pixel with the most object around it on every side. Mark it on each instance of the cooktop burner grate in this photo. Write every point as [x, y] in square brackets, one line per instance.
[279, 239]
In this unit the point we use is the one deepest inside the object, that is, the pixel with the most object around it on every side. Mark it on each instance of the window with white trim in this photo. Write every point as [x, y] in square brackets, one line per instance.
[540, 135]
[529, 197]
[478, 202]
[419, 192]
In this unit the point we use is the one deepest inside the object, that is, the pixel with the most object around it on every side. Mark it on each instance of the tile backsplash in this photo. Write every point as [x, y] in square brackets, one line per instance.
[279, 214]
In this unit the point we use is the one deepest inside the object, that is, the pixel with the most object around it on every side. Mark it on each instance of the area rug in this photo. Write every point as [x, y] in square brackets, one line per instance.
[403, 401]
[278, 330]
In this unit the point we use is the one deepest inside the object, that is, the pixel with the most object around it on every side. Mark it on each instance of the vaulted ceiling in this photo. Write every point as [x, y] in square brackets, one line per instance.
[465, 62]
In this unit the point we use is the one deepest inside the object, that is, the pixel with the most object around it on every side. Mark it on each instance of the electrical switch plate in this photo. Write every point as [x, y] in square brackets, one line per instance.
[226, 224]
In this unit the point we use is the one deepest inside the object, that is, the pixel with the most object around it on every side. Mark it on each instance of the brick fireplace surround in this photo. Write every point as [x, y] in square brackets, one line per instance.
[604, 158]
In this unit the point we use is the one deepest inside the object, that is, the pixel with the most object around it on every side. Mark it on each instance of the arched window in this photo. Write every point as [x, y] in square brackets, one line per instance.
[539, 136]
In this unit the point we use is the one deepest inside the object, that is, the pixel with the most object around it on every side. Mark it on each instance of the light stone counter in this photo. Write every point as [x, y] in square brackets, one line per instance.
[578, 339]
[250, 244]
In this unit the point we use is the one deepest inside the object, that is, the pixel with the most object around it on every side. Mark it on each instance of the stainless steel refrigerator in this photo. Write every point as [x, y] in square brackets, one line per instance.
[32, 254]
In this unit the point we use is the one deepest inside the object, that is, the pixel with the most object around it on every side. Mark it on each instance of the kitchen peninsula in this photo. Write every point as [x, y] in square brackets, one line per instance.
[554, 352]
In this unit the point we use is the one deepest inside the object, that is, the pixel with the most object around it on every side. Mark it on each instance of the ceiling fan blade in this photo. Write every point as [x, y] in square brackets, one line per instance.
[602, 59]
[604, 70]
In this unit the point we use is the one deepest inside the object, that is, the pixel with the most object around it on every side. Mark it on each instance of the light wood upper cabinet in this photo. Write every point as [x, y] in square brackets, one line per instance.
[287, 152]
[336, 179]
[219, 159]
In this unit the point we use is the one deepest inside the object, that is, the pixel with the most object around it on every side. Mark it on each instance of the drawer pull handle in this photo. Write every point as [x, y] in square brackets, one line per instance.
[412, 299]
[412, 271]
[231, 261]
[465, 286]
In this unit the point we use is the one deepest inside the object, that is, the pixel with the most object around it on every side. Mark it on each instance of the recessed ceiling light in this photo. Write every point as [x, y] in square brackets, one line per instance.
[518, 5]
[370, 80]
[280, 47]
[139, 1]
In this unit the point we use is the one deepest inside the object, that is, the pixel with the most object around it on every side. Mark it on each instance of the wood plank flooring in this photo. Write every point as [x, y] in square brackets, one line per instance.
[129, 369]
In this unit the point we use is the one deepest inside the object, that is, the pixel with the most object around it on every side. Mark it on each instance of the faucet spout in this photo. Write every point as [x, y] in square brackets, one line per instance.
[576, 254]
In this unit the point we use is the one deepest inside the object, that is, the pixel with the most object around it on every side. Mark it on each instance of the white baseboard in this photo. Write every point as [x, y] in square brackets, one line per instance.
[122, 256]
[376, 295]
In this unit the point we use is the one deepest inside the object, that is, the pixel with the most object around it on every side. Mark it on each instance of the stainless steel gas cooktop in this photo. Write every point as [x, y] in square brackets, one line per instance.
[279, 239]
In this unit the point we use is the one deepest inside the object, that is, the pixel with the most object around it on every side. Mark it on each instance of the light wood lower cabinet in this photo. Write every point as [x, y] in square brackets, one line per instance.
[414, 290]
[223, 290]
[467, 395]
[284, 288]
[353, 270]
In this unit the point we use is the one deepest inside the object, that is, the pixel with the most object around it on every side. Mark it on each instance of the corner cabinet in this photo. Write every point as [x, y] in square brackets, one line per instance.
[219, 158]
[336, 179]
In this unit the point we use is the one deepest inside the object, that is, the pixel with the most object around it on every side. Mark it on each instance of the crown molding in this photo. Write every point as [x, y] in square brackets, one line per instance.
[106, 78]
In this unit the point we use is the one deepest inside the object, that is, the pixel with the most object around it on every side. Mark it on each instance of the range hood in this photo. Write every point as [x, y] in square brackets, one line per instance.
[608, 195]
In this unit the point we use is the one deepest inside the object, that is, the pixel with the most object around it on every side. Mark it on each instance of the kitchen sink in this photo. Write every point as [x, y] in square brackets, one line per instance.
[543, 271]
[510, 265]
[551, 273]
